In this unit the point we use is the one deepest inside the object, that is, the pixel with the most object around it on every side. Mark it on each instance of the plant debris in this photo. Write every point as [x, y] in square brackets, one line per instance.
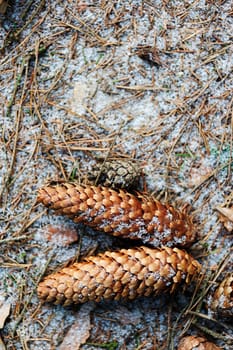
[149, 53]
[72, 91]
[226, 217]
[60, 235]
[79, 332]
[3, 6]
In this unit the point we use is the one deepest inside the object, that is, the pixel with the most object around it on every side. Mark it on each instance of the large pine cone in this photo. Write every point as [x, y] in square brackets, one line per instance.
[120, 213]
[196, 343]
[122, 274]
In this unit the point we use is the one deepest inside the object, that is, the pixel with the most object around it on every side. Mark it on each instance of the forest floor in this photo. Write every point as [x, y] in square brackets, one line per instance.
[81, 81]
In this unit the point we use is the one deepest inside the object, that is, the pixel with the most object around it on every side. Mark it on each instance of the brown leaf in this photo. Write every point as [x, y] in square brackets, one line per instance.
[4, 313]
[199, 175]
[196, 343]
[149, 53]
[62, 235]
[3, 6]
[79, 332]
[226, 217]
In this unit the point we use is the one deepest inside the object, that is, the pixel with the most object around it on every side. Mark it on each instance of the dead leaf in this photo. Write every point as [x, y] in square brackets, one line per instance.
[227, 212]
[4, 313]
[61, 235]
[226, 217]
[79, 332]
[3, 6]
[149, 53]
[199, 175]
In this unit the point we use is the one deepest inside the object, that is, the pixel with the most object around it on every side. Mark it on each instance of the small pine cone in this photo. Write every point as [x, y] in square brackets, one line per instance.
[127, 274]
[120, 213]
[196, 343]
[119, 173]
[222, 302]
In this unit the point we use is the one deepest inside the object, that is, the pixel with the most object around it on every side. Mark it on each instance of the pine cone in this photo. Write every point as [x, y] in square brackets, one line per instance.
[223, 298]
[119, 173]
[120, 213]
[127, 273]
[196, 343]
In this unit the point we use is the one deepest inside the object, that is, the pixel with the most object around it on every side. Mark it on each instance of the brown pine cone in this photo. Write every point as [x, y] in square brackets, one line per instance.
[120, 213]
[196, 343]
[222, 302]
[127, 273]
[118, 173]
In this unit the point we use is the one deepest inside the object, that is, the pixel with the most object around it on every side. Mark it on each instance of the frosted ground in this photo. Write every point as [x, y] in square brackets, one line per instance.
[73, 89]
